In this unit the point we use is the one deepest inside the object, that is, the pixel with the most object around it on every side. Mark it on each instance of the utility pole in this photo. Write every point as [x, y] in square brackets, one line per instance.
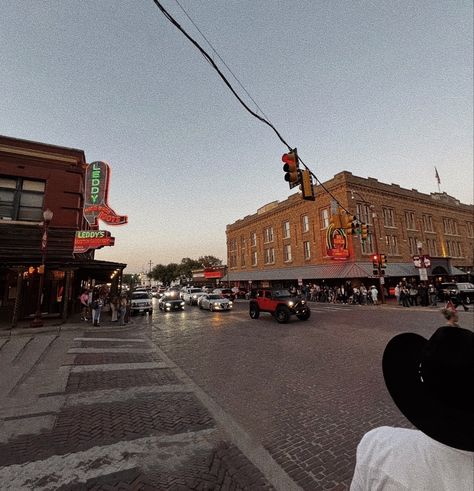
[149, 271]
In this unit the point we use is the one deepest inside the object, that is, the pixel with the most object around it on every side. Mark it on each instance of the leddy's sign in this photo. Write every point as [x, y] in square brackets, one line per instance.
[96, 205]
[336, 243]
[92, 239]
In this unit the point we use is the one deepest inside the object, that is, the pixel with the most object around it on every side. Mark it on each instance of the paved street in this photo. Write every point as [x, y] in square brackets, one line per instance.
[199, 400]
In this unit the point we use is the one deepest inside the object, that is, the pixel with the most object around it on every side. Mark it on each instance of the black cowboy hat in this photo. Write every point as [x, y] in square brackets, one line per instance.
[432, 383]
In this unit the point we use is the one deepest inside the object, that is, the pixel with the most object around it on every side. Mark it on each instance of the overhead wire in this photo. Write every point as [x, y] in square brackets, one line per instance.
[209, 59]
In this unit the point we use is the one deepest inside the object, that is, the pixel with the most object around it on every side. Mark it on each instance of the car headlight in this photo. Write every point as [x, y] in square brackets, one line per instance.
[216, 304]
[230, 303]
[182, 303]
[194, 296]
[290, 304]
[302, 301]
[168, 304]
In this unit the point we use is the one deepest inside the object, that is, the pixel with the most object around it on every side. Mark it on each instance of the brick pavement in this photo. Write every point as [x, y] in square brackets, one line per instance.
[127, 428]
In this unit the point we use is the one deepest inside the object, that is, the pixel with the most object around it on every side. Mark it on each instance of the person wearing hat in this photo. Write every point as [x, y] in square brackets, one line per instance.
[432, 383]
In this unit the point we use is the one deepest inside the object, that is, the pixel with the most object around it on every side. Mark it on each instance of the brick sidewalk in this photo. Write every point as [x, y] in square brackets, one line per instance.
[97, 410]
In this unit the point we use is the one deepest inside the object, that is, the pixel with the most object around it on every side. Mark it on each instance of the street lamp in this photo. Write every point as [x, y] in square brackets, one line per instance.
[47, 217]
[376, 242]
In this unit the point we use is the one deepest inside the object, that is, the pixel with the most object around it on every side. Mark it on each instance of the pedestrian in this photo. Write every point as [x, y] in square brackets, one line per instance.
[397, 293]
[97, 305]
[405, 296]
[114, 305]
[430, 380]
[433, 294]
[84, 299]
[122, 310]
[413, 293]
[374, 294]
[451, 315]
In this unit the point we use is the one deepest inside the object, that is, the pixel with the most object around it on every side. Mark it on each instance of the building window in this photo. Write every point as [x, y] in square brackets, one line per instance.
[388, 217]
[410, 220]
[268, 235]
[254, 258]
[367, 246]
[450, 226]
[233, 245]
[269, 255]
[242, 259]
[325, 218]
[287, 253]
[253, 239]
[412, 243]
[391, 242]
[470, 229]
[432, 245]
[428, 223]
[364, 213]
[307, 249]
[286, 230]
[305, 223]
[233, 261]
[21, 199]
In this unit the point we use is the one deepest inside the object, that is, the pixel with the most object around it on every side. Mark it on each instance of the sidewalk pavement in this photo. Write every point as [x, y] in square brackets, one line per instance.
[87, 408]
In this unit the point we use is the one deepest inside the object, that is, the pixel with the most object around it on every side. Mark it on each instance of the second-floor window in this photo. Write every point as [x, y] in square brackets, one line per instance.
[413, 245]
[388, 217]
[287, 253]
[410, 220]
[269, 255]
[233, 244]
[325, 218]
[286, 230]
[470, 229]
[254, 258]
[432, 245]
[307, 249]
[391, 241]
[305, 223]
[367, 245]
[242, 259]
[268, 234]
[21, 199]
[364, 213]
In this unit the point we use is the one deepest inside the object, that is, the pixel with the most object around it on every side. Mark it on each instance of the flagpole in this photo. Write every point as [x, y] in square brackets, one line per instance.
[438, 179]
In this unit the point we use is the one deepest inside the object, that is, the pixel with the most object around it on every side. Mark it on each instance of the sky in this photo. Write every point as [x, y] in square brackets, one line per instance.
[378, 88]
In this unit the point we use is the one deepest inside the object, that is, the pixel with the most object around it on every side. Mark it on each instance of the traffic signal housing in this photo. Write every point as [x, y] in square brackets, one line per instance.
[364, 231]
[383, 261]
[375, 261]
[307, 185]
[291, 168]
[347, 223]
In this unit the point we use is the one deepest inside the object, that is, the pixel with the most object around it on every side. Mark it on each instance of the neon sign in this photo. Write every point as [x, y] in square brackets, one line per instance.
[86, 240]
[96, 205]
[336, 243]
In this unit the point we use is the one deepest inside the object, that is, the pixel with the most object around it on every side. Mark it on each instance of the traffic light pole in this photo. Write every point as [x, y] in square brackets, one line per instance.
[379, 268]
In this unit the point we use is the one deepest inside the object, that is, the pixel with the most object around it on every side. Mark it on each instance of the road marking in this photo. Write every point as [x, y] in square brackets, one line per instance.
[162, 453]
[78, 351]
[108, 367]
[128, 340]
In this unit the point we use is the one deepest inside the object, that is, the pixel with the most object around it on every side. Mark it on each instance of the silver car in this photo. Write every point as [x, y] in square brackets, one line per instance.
[214, 301]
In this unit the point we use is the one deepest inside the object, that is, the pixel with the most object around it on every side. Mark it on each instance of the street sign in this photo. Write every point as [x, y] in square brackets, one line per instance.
[422, 261]
[423, 274]
[300, 281]
[382, 280]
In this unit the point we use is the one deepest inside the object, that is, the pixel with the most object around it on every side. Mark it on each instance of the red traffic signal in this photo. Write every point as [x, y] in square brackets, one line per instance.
[291, 168]
[375, 261]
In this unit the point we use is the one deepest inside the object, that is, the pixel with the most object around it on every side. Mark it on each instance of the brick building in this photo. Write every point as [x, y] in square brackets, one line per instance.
[289, 241]
[35, 177]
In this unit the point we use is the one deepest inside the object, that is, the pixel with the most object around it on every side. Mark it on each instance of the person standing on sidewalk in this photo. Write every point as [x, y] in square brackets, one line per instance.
[430, 380]
[97, 305]
[84, 299]
[122, 310]
[432, 292]
[114, 306]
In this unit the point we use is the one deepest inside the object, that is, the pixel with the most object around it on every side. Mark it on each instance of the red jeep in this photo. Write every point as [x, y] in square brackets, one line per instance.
[280, 303]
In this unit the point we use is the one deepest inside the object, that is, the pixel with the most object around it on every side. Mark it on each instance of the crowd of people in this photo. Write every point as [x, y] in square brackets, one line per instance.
[99, 301]
[344, 293]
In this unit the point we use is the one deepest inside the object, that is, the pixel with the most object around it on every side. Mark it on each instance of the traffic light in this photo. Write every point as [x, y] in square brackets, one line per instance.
[335, 221]
[383, 261]
[347, 223]
[355, 227]
[291, 168]
[375, 261]
[364, 231]
[307, 185]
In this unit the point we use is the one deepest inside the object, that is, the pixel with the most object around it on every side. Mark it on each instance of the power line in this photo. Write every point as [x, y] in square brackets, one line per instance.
[247, 108]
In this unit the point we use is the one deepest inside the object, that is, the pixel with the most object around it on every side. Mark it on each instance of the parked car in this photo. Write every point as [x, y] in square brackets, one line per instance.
[140, 303]
[281, 304]
[214, 301]
[225, 292]
[458, 293]
[192, 294]
[170, 301]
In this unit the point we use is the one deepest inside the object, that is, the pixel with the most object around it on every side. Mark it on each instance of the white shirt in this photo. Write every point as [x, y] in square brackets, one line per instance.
[399, 459]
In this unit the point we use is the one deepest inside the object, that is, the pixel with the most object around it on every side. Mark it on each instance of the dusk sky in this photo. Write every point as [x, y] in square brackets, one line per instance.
[378, 88]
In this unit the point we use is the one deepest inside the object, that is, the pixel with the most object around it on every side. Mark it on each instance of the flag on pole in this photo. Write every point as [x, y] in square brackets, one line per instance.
[437, 176]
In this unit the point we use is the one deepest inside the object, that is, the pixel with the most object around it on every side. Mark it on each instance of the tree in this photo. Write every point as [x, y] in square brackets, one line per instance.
[210, 261]
[166, 273]
[186, 268]
[130, 279]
